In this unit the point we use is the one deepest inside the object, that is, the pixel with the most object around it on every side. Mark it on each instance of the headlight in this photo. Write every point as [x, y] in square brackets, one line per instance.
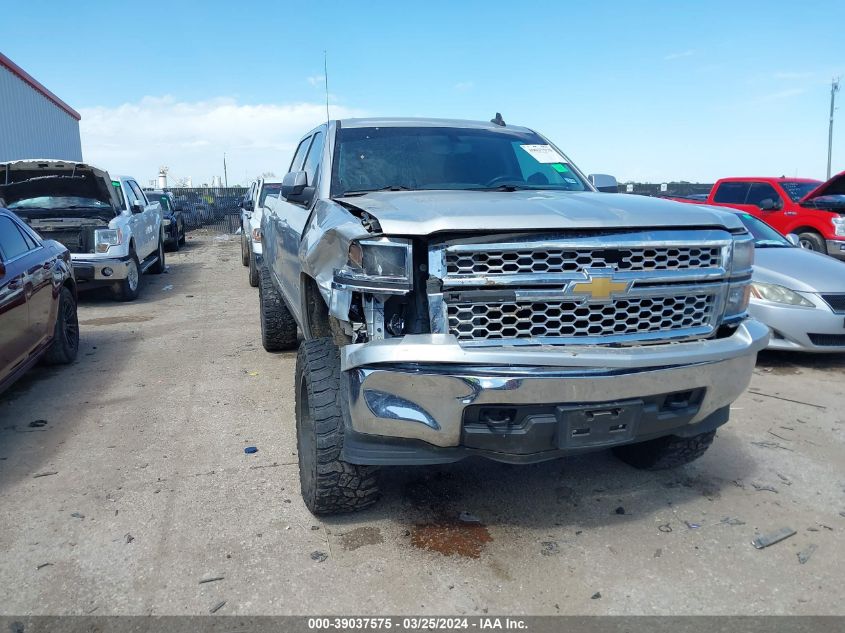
[167, 222]
[779, 294]
[838, 226]
[377, 265]
[104, 238]
[743, 255]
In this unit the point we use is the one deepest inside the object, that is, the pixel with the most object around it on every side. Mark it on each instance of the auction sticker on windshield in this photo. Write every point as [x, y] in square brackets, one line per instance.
[543, 153]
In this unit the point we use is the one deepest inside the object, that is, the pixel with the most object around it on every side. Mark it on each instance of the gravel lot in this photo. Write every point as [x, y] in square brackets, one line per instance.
[136, 489]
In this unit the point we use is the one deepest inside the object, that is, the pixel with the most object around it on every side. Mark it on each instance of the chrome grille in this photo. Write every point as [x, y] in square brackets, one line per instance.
[634, 317]
[552, 260]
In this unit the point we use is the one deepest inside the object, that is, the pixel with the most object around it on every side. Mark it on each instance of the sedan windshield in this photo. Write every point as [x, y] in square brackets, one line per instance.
[764, 235]
[430, 158]
[59, 202]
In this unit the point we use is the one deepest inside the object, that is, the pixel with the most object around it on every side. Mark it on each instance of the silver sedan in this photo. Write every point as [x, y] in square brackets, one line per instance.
[798, 293]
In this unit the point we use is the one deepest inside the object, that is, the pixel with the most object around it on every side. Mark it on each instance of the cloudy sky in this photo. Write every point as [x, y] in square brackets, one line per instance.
[647, 91]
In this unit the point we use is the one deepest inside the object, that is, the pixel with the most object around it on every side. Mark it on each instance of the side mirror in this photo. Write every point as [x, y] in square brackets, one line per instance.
[766, 204]
[137, 207]
[604, 183]
[793, 239]
[293, 184]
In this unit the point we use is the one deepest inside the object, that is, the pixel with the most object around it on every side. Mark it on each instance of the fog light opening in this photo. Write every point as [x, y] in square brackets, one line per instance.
[107, 272]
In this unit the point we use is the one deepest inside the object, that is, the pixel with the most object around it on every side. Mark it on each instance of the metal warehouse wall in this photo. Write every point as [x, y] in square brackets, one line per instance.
[32, 126]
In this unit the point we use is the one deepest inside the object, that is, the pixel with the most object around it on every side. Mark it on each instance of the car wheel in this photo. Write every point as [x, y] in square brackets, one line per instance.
[128, 288]
[278, 327]
[665, 452]
[65, 343]
[253, 270]
[812, 241]
[244, 247]
[160, 265]
[182, 234]
[329, 485]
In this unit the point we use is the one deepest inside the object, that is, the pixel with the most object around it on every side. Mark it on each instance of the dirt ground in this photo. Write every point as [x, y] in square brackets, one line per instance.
[124, 486]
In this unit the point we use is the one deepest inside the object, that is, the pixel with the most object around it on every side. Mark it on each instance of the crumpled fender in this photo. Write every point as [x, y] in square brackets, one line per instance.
[325, 248]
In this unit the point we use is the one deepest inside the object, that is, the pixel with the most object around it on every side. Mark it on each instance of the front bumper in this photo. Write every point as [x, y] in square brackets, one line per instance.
[836, 248]
[423, 389]
[99, 269]
[795, 328]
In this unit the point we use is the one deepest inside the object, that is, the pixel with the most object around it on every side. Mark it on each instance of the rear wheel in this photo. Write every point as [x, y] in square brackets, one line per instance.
[278, 327]
[181, 238]
[66, 333]
[159, 267]
[812, 241]
[329, 484]
[665, 452]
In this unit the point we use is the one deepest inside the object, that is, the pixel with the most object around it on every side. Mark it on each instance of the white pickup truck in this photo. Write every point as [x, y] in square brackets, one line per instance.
[252, 210]
[114, 234]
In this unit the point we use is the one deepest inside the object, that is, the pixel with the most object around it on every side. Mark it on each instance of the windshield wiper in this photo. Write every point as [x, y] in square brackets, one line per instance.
[366, 191]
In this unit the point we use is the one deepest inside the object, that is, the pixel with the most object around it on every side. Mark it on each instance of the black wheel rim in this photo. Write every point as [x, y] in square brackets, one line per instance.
[306, 444]
[70, 325]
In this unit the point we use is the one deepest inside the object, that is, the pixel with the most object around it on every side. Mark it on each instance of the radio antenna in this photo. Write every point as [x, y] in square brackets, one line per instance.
[326, 77]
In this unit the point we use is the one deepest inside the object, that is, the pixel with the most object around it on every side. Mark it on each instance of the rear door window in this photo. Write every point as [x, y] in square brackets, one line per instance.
[12, 242]
[760, 191]
[732, 192]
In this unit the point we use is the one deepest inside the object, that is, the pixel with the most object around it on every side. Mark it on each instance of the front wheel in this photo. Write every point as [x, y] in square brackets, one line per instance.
[65, 343]
[244, 247]
[665, 452]
[253, 270]
[329, 484]
[128, 289]
[812, 241]
[278, 327]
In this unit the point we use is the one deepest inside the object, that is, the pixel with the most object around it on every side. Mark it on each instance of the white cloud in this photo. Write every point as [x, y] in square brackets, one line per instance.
[679, 55]
[190, 137]
[317, 80]
[464, 86]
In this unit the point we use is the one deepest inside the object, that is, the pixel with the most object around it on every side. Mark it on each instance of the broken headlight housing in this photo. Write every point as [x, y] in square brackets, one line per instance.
[739, 290]
[380, 265]
[106, 238]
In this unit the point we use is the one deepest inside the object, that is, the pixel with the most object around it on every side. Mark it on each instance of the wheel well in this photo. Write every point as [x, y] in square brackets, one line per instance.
[70, 285]
[807, 229]
[315, 312]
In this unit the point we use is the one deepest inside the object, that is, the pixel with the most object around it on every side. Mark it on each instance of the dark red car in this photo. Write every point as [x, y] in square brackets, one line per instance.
[37, 300]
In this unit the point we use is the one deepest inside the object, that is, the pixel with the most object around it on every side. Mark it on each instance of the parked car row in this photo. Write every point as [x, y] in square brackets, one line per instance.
[68, 227]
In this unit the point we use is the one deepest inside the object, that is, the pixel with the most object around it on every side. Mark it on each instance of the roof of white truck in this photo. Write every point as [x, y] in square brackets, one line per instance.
[422, 122]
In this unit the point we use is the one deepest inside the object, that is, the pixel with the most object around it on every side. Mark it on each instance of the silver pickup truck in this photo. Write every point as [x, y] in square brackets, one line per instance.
[463, 289]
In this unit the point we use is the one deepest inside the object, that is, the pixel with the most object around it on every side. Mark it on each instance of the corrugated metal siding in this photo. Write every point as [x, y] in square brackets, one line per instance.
[32, 126]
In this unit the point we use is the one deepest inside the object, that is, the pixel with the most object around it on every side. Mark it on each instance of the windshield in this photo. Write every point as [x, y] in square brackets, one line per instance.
[764, 235]
[797, 190]
[59, 202]
[428, 158]
[272, 189]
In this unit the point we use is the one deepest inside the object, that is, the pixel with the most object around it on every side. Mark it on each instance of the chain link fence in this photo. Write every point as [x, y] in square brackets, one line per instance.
[215, 208]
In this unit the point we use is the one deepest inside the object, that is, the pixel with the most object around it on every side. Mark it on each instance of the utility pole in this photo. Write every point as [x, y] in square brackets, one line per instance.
[834, 88]
[225, 174]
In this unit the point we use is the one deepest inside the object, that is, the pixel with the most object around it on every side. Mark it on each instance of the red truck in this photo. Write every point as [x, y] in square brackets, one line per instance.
[813, 210]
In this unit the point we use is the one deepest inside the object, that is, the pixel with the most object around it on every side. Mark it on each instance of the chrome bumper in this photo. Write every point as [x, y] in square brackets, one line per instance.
[836, 248]
[91, 268]
[417, 387]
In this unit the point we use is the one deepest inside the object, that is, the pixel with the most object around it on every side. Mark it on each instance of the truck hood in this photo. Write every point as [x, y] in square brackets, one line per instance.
[428, 212]
[833, 187]
[33, 178]
[799, 269]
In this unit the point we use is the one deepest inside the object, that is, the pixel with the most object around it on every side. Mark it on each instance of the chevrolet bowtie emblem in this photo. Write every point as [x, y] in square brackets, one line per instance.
[599, 288]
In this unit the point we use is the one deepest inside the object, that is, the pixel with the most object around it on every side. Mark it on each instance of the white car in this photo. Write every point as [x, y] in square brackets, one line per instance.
[114, 234]
[252, 210]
